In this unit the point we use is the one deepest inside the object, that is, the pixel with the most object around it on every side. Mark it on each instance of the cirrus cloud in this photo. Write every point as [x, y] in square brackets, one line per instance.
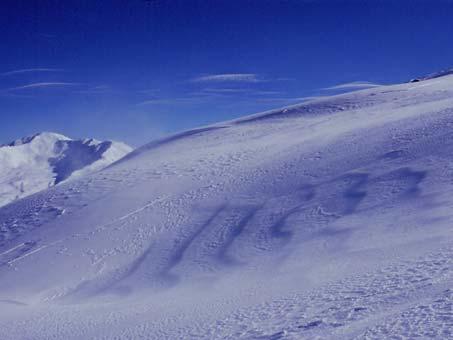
[228, 77]
[31, 70]
[42, 85]
[352, 85]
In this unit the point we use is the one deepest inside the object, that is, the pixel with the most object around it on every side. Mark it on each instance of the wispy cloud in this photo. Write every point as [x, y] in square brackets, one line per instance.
[267, 93]
[224, 90]
[228, 77]
[352, 85]
[31, 70]
[42, 85]
[167, 101]
[238, 91]
[96, 90]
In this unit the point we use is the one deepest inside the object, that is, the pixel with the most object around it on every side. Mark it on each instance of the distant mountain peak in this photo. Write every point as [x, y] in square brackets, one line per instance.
[44, 159]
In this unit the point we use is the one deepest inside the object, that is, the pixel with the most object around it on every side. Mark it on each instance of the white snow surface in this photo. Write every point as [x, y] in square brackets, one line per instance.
[331, 219]
[35, 163]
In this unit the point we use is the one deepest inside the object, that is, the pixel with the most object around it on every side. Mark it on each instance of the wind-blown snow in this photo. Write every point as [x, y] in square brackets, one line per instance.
[330, 219]
[34, 163]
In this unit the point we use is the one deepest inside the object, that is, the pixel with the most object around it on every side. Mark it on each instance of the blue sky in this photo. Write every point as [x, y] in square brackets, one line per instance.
[135, 70]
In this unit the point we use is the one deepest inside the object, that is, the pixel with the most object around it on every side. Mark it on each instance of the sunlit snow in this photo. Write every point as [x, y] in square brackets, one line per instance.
[331, 219]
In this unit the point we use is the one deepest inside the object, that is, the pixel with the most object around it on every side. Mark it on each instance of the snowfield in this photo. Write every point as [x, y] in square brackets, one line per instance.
[35, 163]
[331, 219]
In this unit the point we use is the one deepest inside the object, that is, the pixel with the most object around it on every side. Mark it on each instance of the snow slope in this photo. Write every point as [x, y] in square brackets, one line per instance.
[331, 219]
[34, 163]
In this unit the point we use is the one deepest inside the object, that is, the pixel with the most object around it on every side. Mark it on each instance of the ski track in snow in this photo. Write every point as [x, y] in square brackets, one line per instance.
[325, 220]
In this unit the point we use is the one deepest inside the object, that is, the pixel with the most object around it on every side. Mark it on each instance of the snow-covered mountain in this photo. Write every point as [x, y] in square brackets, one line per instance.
[34, 163]
[331, 219]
